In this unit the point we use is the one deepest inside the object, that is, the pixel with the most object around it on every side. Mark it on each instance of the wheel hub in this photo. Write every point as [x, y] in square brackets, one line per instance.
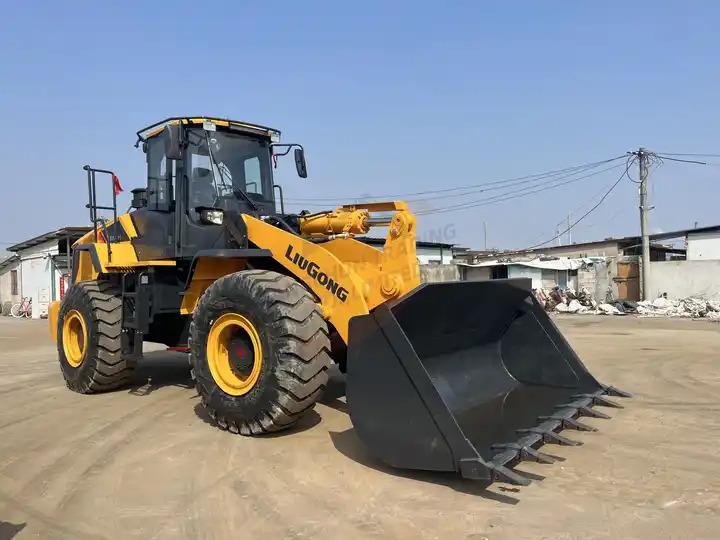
[234, 354]
[242, 356]
[74, 334]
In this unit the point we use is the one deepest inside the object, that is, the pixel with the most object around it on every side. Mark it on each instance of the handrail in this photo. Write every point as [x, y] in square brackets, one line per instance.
[94, 207]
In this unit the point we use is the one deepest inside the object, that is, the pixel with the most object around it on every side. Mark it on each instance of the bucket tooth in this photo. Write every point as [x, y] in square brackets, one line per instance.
[550, 437]
[569, 423]
[612, 391]
[526, 453]
[500, 473]
[598, 399]
[583, 410]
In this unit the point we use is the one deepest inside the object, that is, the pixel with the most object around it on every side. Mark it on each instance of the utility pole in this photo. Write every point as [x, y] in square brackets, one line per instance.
[569, 231]
[485, 234]
[644, 227]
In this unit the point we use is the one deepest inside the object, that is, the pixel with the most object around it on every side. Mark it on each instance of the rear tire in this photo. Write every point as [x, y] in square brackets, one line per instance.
[96, 364]
[294, 351]
[15, 311]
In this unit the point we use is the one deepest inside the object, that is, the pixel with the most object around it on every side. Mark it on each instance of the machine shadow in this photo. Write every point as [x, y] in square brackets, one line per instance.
[10, 530]
[307, 421]
[335, 390]
[159, 369]
[347, 443]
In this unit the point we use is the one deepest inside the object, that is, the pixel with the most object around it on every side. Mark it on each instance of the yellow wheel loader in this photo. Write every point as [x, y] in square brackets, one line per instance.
[469, 377]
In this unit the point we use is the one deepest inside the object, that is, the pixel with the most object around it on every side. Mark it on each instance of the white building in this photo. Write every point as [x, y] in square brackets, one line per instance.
[9, 282]
[427, 252]
[38, 269]
[703, 244]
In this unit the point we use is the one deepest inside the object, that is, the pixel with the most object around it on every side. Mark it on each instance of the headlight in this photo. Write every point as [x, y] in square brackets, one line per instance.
[215, 217]
[274, 136]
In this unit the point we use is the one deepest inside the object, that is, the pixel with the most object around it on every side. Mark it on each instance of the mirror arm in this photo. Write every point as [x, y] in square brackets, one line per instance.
[287, 146]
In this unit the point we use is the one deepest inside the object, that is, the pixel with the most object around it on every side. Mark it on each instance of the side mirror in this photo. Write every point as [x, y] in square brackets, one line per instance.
[173, 144]
[300, 164]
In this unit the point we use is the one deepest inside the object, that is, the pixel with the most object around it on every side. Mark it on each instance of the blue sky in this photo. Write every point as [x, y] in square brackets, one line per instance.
[385, 97]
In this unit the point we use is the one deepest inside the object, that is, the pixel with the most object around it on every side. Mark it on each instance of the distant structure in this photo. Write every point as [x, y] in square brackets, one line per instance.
[610, 268]
[39, 268]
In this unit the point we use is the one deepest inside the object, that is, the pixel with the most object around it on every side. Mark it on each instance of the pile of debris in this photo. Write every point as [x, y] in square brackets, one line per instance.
[695, 308]
[568, 301]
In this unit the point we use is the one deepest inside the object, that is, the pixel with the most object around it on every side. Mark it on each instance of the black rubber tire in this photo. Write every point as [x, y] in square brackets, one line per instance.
[103, 367]
[295, 346]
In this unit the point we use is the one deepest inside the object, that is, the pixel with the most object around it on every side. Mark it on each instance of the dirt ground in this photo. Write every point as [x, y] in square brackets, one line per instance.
[145, 463]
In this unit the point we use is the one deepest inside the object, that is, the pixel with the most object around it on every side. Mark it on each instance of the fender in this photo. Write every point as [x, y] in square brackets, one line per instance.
[210, 264]
[318, 268]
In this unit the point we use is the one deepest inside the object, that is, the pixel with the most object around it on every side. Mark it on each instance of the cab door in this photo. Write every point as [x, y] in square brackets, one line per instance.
[155, 223]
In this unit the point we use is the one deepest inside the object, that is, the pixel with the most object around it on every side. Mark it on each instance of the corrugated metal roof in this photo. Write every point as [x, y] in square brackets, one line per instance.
[72, 232]
[635, 239]
[7, 261]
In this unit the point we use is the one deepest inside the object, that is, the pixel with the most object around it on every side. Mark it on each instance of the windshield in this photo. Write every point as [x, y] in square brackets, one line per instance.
[221, 165]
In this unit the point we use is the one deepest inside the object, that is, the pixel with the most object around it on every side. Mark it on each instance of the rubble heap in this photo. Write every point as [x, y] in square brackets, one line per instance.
[569, 301]
[687, 307]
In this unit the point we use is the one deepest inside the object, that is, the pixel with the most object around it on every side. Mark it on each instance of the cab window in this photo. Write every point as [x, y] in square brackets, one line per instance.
[220, 165]
[159, 192]
[253, 183]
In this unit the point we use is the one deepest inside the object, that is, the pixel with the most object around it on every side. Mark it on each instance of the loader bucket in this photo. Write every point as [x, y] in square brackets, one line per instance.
[466, 376]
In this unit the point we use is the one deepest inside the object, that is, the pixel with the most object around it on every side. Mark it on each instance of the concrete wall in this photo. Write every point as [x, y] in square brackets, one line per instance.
[427, 255]
[517, 271]
[703, 246]
[434, 273]
[680, 279]
[597, 279]
[606, 289]
[39, 279]
[476, 273]
[5, 284]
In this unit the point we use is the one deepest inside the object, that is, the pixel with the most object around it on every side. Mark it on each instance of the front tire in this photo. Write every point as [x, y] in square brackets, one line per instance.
[89, 329]
[259, 351]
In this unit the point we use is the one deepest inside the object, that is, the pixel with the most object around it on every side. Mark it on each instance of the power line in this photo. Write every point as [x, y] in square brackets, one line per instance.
[472, 187]
[586, 203]
[530, 184]
[515, 194]
[664, 157]
[535, 182]
[627, 173]
[586, 214]
[691, 155]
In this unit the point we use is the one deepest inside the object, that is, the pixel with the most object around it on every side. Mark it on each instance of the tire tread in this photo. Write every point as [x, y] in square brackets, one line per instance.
[300, 340]
[109, 370]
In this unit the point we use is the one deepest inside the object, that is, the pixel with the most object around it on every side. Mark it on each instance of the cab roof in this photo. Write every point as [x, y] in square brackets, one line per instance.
[154, 129]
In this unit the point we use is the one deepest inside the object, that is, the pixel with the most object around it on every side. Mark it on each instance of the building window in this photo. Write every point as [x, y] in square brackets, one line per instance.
[499, 272]
[549, 278]
[13, 283]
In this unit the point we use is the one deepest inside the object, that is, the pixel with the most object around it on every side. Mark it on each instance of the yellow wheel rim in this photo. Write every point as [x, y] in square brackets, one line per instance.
[234, 354]
[74, 334]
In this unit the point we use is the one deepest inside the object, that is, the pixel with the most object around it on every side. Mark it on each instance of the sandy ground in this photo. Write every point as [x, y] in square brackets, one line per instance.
[144, 462]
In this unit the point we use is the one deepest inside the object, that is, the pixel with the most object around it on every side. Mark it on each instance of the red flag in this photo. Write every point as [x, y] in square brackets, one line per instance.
[117, 188]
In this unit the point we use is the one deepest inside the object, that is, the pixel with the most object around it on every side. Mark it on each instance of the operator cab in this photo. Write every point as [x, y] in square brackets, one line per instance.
[202, 174]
